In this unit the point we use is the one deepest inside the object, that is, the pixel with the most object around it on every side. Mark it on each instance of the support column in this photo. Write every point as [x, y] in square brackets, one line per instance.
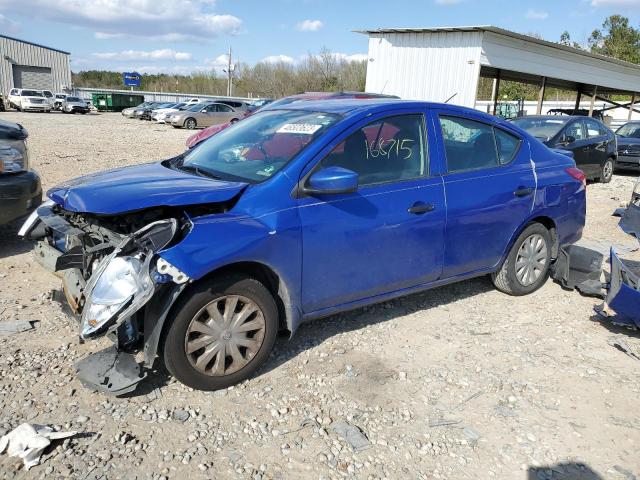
[578, 98]
[593, 100]
[495, 92]
[633, 100]
[543, 87]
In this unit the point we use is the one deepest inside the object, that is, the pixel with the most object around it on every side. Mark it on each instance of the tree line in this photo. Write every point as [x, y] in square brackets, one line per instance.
[320, 72]
[329, 72]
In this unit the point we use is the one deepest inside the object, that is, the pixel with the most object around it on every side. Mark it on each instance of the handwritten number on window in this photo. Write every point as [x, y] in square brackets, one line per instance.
[375, 149]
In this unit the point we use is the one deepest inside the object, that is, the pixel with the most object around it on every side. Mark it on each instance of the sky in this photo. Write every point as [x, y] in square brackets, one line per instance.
[183, 36]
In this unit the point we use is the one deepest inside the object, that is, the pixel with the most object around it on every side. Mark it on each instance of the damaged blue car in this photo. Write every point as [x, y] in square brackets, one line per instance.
[295, 214]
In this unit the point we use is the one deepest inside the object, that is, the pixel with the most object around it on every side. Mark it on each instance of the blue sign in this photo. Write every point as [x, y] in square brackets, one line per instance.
[131, 79]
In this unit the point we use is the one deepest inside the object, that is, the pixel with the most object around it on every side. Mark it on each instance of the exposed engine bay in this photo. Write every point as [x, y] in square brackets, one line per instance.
[110, 272]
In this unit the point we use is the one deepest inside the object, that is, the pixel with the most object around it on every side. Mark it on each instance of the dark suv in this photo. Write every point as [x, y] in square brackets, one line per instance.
[20, 190]
[593, 145]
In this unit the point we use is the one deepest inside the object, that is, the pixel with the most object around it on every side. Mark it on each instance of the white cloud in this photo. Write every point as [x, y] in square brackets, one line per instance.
[447, 2]
[310, 25]
[279, 59]
[615, 3]
[536, 14]
[162, 54]
[166, 19]
[107, 36]
[7, 25]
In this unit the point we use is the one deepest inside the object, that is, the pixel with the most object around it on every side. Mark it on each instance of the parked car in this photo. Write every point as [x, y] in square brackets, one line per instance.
[48, 94]
[198, 137]
[130, 112]
[593, 145]
[204, 115]
[58, 98]
[23, 99]
[74, 105]
[295, 214]
[628, 136]
[160, 114]
[20, 189]
[147, 112]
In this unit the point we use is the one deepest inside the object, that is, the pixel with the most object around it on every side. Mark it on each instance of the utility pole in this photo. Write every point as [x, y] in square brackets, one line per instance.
[230, 76]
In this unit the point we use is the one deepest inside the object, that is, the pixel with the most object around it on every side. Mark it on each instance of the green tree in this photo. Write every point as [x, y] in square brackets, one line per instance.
[617, 39]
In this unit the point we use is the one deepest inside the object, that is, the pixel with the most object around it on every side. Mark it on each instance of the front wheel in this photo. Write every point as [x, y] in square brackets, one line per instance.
[606, 174]
[527, 266]
[221, 333]
[190, 124]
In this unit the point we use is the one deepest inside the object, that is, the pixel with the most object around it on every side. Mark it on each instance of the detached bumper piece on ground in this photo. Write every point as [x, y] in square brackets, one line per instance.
[580, 268]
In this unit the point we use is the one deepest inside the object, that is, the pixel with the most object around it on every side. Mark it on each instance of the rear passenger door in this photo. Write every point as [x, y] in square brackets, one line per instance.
[597, 135]
[489, 189]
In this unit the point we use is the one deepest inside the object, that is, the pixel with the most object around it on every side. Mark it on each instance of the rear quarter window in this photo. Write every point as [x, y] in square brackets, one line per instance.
[507, 146]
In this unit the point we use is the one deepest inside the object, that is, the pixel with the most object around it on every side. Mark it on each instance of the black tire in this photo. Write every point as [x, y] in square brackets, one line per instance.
[233, 120]
[606, 171]
[190, 123]
[506, 279]
[174, 351]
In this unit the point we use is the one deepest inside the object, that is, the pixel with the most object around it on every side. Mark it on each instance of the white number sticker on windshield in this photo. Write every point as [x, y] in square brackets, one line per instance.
[303, 128]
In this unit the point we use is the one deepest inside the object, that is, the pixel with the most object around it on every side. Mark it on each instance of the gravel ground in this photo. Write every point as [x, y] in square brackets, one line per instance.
[460, 382]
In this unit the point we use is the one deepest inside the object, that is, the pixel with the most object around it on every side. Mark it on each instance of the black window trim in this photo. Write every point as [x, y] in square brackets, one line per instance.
[493, 127]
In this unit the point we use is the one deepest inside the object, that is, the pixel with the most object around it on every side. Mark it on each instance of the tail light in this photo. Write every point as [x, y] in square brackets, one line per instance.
[577, 174]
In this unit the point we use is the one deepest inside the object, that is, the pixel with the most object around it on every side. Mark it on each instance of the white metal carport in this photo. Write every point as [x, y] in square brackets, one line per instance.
[437, 64]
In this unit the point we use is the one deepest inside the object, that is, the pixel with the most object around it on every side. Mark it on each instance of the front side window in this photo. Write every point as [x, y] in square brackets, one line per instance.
[256, 148]
[573, 131]
[386, 150]
[469, 145]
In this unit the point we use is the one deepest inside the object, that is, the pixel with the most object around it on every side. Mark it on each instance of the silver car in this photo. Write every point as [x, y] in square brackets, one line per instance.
[74, 105]
[204, 115]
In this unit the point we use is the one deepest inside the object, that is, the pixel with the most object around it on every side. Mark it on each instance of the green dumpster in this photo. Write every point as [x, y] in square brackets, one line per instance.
[115, 102]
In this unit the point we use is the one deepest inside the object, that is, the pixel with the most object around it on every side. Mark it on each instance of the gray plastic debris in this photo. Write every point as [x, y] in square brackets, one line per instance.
[353, 435]
[28, 441]
[471, 435]
[623, 346]
[15, 326]
[443, 422]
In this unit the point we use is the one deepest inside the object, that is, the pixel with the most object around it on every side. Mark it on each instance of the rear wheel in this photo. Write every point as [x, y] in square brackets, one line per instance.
[190, 123]
[221, 333]
[527, 266]
[606, 173]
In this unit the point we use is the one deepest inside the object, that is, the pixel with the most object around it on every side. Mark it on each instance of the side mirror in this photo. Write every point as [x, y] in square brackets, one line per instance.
[332, 180]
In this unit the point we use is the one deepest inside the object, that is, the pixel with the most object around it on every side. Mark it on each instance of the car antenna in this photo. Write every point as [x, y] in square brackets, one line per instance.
[451, 97]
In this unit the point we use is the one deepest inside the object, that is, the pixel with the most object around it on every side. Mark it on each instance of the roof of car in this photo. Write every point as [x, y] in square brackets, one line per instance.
[354, 105]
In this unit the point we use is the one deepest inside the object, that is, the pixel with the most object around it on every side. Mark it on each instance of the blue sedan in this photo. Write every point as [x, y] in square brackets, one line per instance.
[296, 214]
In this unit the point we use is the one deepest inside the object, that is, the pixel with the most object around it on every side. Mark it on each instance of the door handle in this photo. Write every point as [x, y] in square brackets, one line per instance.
[523, 192]
[421, 208]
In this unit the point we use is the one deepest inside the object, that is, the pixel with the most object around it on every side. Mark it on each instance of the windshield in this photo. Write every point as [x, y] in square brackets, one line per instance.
[629, 130]
[256, 148]
[73, 99]
[544, 128]
[31, 93]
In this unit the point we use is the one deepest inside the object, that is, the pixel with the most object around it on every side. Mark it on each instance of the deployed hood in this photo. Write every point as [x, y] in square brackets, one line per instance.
[139, 187]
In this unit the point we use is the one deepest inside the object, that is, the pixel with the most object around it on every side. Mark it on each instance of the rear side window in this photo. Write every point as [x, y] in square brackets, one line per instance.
[594, 129]
[507, 146]
[469, 144]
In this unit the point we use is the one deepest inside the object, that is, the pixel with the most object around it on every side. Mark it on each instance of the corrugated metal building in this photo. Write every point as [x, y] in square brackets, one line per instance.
[437, 64]
[29, 65]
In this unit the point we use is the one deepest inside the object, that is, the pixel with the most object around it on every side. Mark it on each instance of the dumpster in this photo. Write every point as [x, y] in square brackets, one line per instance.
[115, 102]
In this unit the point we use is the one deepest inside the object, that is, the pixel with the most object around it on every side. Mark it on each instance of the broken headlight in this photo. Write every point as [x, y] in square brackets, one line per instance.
[121, 283]
[118, 283]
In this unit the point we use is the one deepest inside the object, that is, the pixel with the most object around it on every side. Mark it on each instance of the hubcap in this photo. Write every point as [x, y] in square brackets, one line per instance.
[225, 335]
[608, 169]
[531, 260]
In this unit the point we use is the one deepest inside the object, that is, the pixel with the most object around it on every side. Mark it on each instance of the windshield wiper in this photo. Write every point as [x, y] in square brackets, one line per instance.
[199, 171]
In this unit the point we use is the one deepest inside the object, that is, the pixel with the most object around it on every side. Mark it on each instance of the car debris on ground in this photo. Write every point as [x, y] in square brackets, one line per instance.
[28, 441]
[9, 327]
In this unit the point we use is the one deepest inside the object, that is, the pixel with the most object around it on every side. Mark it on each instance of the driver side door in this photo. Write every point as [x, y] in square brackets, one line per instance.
[387, 235]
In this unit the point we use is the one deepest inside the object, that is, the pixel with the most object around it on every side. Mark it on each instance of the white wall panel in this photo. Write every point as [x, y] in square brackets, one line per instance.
[425, 66]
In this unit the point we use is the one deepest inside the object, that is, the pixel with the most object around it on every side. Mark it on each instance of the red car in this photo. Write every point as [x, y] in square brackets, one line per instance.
[196, 138]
